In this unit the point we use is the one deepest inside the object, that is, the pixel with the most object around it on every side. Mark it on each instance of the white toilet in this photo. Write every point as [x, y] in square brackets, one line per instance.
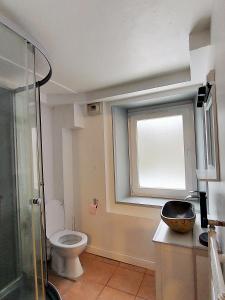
[66, 245]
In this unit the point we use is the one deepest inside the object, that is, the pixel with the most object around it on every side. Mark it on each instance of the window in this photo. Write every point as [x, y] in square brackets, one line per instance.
[162, 151]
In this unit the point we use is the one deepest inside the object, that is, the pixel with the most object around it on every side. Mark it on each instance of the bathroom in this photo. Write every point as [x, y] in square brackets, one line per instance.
[71, 98]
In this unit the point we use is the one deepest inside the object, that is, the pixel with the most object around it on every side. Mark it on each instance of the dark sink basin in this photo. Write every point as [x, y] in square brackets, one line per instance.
[179, 215]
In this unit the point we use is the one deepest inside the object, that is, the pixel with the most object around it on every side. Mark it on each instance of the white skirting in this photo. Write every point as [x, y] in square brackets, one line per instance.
[122, 257]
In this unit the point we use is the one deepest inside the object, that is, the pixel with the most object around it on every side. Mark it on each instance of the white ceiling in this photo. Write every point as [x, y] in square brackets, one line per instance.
[93, 44]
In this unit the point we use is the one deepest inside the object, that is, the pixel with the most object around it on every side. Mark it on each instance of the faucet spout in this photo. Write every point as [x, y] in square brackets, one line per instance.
[200, 196]
[192, 196]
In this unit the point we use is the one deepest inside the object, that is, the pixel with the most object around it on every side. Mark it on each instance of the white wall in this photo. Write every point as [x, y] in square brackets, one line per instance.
[57, 116]
[68, 178]
[217, 189]
[62, 117]
[47, 144]
[124, 233]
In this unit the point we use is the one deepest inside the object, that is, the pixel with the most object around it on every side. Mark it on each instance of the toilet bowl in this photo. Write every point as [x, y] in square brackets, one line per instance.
[66, 245]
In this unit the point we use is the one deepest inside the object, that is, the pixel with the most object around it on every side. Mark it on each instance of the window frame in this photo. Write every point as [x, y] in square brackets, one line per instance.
[184, 109]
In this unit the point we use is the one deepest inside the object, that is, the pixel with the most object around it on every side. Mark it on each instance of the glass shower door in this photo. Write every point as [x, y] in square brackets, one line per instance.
[28, 180]
[21, 234]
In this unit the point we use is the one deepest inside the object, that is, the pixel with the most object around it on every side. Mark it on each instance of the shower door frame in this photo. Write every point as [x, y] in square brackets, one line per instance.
[37, 84]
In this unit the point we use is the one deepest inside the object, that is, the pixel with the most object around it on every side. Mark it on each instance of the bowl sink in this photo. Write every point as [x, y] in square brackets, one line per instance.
[179, 215]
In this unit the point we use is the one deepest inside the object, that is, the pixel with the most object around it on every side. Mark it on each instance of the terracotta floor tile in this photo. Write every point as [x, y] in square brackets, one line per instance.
[126, 280]
[150, 272]
[61, 284]
[107, 260]
[87, 258]
[147, 288]
[132, 267]
[87, 255]
[112, 294]
[83, 290]
[98, 271]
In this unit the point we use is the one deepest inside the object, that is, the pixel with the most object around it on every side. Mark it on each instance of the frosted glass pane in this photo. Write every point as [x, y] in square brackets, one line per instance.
[160, 151]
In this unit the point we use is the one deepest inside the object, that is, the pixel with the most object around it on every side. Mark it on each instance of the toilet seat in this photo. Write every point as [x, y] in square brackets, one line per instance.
[79, 239]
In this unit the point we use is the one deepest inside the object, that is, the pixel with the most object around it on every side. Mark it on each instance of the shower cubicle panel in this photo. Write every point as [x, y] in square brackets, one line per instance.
[9, 241]
[22, 272]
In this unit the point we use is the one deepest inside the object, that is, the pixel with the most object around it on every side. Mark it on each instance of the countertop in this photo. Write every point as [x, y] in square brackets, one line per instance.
[165, 235]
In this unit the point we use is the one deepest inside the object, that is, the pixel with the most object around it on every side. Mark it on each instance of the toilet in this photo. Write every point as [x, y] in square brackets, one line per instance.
[66, 245]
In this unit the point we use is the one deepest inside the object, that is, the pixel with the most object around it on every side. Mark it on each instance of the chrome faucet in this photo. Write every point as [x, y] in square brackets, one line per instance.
[192, 196]
[202, 197]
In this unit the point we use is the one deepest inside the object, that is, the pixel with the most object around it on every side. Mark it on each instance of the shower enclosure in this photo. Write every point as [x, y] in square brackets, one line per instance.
[23, 268]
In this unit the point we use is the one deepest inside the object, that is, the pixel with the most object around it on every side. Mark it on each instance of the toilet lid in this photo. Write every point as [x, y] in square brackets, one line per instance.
[54, 217]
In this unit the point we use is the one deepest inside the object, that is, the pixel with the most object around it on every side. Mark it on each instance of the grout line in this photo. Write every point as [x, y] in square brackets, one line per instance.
[100, 292]
[116, 268]
[117, 289]
[140, 285]
[106, 284]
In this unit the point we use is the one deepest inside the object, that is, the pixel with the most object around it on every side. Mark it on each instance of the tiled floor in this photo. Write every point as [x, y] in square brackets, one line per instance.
[107, 279]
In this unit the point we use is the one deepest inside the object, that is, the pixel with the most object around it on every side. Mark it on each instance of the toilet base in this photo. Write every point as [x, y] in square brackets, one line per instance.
[66, 266]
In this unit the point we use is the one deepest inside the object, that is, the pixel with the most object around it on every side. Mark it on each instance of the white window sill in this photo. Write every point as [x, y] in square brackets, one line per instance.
[150, 202]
